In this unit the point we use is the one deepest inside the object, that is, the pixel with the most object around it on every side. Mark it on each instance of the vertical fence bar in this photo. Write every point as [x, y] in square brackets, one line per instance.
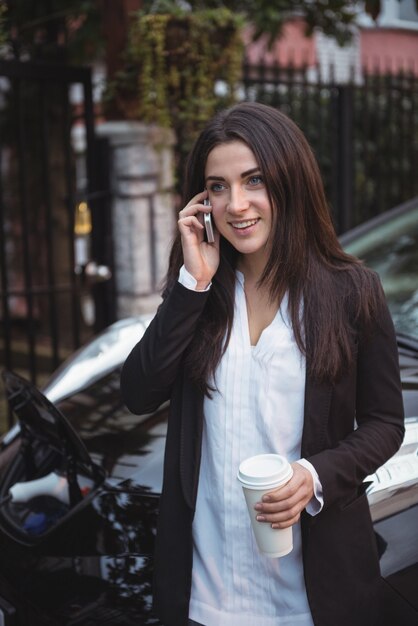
[261, 81]
[390, 175]
[88, 117]
[334, 145]
[378, 115]
[354, 215]
[413, 124]
[5, 320]
[4, 277]
[46, 188]
[304, 101]
[364, 138]
[98, 290]
[320, 151]
[290, 91]
[402, 135]
[372, 173]
[334, 148]
[275, 75]
[23, 192]
[345, 156]
[102, 240]
[385, 143]
[320, 97]
[412, 144]
[70, 204]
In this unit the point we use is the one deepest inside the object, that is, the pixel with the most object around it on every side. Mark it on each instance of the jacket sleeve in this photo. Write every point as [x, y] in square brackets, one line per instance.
[151, 368]
[379, 416]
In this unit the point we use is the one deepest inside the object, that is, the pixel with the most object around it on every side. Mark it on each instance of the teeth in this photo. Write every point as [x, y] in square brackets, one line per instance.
[244, 224]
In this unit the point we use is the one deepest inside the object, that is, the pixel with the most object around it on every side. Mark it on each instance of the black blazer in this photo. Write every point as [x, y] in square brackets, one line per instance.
[340, 559]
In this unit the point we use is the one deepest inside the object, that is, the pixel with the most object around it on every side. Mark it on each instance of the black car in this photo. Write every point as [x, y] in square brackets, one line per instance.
[80, 476]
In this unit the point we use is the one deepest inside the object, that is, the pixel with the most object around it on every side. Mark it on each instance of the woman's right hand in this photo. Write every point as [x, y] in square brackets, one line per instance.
[201, 259]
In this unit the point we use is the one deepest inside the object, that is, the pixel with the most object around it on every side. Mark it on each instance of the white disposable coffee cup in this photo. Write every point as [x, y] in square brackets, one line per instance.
[259, 475]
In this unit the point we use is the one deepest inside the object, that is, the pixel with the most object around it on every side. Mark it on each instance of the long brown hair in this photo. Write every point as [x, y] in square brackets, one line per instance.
[329, 291]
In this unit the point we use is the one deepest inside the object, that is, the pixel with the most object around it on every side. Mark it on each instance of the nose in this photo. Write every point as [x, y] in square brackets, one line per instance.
[238, 201]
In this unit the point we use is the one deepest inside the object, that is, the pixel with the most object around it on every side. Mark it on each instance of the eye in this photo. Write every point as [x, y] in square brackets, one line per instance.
[217, 187]
[255, 180]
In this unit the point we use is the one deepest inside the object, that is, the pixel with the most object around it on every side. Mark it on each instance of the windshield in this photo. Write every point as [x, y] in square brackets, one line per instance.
[391, 249]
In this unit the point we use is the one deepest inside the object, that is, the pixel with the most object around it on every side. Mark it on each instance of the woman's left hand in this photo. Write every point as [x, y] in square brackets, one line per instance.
[282, 507]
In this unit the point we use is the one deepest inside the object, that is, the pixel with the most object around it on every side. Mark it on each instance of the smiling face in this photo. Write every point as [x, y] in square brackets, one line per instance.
[241, 207]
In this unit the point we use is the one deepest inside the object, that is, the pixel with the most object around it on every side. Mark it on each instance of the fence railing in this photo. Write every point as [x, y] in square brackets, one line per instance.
[41, 294]
[364, 133]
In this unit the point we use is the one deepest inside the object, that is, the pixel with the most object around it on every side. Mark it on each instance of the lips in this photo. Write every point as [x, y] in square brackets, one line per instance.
[244, 224]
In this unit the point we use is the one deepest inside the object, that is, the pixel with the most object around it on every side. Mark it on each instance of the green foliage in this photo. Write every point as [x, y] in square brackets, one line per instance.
[173, 61]
[333, 17]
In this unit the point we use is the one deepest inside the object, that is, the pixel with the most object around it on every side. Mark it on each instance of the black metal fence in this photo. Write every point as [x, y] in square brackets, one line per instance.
[42, 180]
[364, 133]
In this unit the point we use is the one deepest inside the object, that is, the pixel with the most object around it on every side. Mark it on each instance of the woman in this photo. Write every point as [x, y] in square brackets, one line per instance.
[269, 340]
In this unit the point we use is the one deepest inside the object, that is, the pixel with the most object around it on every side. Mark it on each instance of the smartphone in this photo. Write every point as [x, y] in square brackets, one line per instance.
[207, 220]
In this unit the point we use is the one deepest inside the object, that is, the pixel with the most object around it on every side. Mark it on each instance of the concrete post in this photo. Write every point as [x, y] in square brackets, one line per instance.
[143, 220]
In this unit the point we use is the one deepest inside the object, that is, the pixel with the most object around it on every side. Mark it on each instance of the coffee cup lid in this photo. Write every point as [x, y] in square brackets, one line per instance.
[264, 470]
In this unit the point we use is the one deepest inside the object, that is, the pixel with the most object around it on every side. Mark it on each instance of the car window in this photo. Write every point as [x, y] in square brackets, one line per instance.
[391, 249]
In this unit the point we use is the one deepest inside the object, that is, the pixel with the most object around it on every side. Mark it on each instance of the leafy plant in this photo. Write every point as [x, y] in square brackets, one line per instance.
[334, 17]
[180, 67]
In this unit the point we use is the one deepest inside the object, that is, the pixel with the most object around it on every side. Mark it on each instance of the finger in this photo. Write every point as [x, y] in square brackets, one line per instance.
[283, 521]
[289, 515]
[196, 204]
[294, 504]
[300, 498]
[188, 223]
[195, 209]
[274, 507]
[283, 493]
[287, 523]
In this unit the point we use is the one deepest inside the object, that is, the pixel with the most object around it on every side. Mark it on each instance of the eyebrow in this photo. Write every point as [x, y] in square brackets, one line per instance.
[243, 175]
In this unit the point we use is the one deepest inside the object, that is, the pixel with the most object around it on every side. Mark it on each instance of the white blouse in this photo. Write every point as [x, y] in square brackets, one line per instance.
[257, 408]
